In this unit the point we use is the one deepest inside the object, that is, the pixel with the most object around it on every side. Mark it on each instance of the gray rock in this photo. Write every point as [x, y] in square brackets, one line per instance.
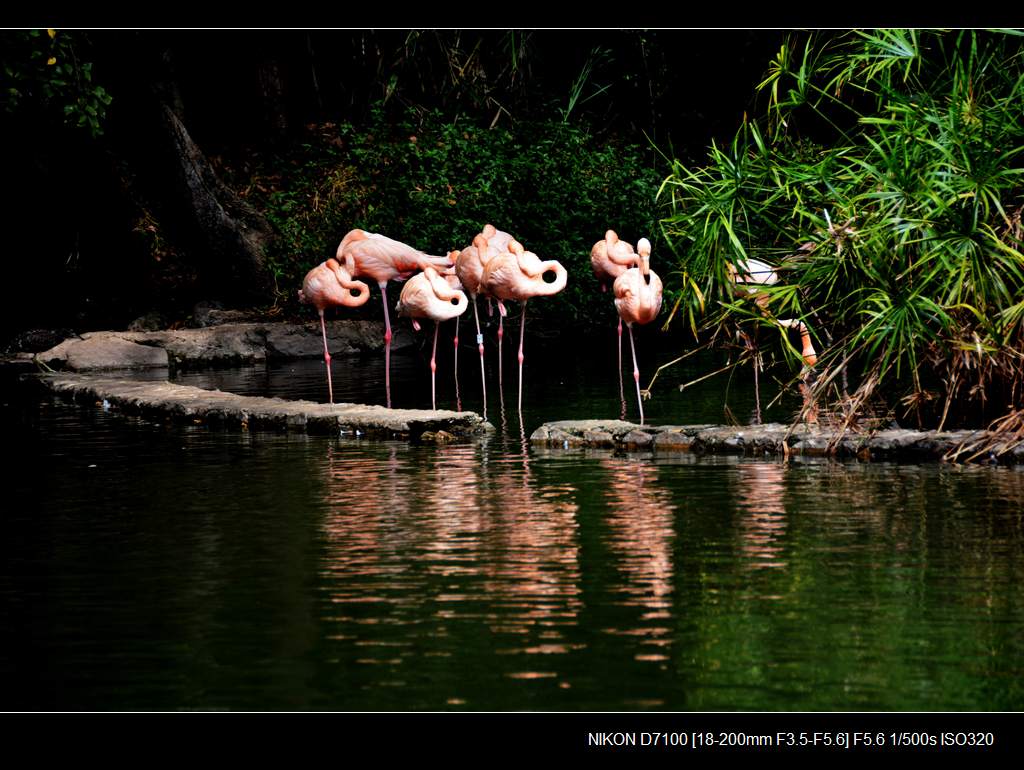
[673, 440]
[221, 344]
[343, 338]
[598, 438]
[232, 343]
[103, 350]
[638, 439]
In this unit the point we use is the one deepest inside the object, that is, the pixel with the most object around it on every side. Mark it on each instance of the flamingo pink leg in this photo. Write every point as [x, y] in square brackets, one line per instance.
[480, 347]
[456, 343]
[433, 368]
[501, 334]
[387, 342]
[636, 374]
[757, 391]
[327, 358]
[622, 395]
[522, 330]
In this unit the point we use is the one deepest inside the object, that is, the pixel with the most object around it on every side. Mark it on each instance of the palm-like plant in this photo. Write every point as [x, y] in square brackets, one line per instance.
[896, 156]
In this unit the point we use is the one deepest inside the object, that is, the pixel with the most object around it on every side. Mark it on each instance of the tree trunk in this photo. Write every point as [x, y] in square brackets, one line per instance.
[230, 230]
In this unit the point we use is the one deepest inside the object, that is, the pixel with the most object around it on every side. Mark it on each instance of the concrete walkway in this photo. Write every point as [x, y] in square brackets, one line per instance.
[183, 403]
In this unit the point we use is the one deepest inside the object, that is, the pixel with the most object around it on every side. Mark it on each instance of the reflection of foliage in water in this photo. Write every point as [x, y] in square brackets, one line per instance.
[892, 581]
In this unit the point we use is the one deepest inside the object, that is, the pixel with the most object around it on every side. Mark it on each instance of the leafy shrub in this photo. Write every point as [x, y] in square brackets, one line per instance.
[43, 72]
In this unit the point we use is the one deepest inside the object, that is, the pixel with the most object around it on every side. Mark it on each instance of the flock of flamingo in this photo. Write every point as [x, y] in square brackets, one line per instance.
[496, 266]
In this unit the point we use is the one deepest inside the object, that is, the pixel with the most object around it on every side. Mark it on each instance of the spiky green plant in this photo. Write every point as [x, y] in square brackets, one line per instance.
[895, 158]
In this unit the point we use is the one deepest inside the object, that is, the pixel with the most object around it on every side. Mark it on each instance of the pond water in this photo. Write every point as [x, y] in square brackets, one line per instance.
[145, 566]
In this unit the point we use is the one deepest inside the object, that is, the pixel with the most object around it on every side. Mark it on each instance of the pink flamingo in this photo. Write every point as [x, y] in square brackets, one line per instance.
[369, 255]
[469, 267]
[497, 242]
[519, 274]
[429, 295]
[326, 285]
[609, 259]
[638, 300]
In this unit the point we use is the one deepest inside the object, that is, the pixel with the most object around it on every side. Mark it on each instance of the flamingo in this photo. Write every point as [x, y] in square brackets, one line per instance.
[369, 255]
[429, 295]
[326, 285]
[519, 274]
[754, 274]
[609, 259]
[638, 300]
[497, 243]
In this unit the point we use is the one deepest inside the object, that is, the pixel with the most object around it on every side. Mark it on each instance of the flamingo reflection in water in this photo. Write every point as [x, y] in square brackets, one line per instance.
[760, 491]
[640, 520]
[477, 539]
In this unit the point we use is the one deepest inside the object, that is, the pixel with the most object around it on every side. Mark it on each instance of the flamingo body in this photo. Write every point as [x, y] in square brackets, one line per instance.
[610, 258]
[469, 265]
[326, 285]
[496, 239]
[383, 259]
[519, 274]
[636, 301]
[430, 295]
[329, 284]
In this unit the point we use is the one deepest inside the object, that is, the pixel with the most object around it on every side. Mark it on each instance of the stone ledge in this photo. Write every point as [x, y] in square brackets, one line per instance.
[812, 441]
[183, 403]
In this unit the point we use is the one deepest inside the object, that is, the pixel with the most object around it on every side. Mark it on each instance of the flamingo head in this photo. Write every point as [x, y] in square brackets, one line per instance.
[643, 248]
